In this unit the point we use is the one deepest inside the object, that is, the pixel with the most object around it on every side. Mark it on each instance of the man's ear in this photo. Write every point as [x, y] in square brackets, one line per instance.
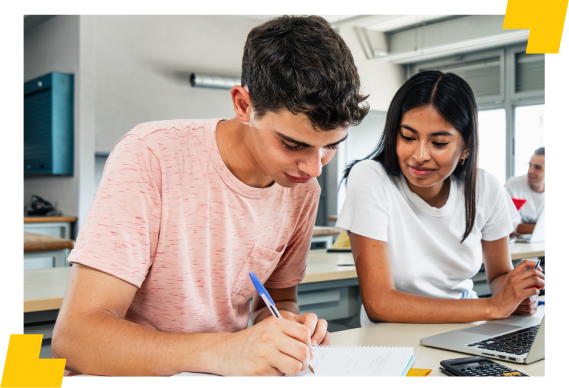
[241, 103]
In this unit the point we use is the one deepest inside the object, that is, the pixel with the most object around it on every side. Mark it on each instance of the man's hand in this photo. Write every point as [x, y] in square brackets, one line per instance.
[273, 347]
[318, 327]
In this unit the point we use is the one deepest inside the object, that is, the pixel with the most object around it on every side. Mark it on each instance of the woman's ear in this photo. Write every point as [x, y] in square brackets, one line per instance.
[241, 103]
[466, 148]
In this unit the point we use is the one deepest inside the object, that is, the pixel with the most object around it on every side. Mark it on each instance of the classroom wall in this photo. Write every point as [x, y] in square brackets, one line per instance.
[53, 45]
[143, 66]
[379, 80]
[447, 31]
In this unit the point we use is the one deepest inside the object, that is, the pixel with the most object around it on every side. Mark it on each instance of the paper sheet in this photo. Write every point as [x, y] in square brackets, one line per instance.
[359, 361]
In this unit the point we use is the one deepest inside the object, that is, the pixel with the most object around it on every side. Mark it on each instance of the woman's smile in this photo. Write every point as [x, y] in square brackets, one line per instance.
[420, 172]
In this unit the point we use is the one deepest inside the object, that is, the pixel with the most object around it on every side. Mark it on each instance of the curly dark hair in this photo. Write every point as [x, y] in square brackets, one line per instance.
[300, 63]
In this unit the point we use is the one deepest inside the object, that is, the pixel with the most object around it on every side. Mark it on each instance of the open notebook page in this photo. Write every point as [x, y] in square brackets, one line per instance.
[359, 361]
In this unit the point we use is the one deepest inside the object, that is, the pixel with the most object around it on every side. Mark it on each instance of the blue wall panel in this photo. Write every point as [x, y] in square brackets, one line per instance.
[48, 125]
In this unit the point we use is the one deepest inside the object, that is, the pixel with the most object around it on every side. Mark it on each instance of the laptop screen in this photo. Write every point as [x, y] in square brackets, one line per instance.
[538, 234]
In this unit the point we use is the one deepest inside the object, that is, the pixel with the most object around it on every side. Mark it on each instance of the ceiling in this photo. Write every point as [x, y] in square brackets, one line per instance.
[382, 23]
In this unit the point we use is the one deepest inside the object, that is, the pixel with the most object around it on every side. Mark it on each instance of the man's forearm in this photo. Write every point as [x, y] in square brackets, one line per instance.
[262, 313]
[104, 344]
[525, 228]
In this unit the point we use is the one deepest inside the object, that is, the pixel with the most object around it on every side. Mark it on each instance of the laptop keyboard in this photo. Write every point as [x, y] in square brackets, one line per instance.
[517, 342]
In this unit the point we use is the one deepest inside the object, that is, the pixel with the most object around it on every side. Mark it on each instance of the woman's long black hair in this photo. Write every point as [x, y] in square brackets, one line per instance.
[451, 96]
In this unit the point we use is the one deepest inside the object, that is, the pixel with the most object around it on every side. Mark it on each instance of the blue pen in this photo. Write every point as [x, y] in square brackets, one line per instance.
[269, 302]
[539, 303]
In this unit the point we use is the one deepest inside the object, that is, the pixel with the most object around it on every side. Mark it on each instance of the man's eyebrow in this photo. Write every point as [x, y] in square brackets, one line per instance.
[440, 133]
[302, 144]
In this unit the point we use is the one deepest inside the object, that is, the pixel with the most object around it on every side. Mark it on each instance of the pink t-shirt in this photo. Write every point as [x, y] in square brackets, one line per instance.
[170, 218]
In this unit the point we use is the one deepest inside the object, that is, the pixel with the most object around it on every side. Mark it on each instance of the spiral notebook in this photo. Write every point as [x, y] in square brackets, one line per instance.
[353, 361]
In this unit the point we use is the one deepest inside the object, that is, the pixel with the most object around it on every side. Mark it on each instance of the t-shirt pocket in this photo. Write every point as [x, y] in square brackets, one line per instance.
[261, 262]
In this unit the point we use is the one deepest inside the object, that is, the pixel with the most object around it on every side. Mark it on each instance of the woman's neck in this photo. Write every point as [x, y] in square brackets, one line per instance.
[435, 196]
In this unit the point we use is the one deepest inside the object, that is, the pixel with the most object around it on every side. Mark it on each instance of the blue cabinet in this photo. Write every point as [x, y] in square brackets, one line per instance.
[48, 125]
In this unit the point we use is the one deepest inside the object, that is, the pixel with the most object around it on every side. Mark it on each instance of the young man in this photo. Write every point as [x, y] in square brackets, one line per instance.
[532, 188]
[160, 281]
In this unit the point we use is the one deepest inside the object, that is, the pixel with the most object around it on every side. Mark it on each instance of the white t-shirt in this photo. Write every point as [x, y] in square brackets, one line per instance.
[518, 187]
[426, 255]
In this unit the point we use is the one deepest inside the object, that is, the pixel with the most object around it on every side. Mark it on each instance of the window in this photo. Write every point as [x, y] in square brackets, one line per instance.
[529, 135]
[530, 72]
[482, 75]
[492, 138]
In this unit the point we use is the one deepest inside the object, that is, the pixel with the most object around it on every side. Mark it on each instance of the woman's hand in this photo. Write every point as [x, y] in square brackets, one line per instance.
[521, 285]
[527, 307]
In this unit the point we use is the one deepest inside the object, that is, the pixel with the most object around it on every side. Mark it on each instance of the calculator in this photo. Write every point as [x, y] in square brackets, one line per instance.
[477, 366]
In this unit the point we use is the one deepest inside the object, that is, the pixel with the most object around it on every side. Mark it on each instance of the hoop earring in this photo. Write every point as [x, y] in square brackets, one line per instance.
[462, 161]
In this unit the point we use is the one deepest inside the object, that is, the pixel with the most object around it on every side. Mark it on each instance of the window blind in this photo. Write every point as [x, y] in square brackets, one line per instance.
[530, 72]
[483, 76]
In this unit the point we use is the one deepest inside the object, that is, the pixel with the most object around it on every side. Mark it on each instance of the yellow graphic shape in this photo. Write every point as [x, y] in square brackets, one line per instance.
[23, 368]
[544, 19]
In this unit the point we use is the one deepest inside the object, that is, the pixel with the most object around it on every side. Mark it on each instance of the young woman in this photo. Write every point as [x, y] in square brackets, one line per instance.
[422, 217]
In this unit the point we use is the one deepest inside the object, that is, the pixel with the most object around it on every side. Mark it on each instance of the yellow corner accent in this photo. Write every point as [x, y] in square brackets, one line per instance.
[544, 19]
[23, 368]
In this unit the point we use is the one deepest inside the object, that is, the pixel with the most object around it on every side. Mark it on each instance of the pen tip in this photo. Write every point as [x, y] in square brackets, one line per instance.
[311, 369]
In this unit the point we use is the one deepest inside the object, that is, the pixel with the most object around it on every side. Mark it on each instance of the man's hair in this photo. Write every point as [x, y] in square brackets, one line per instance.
[540, 151]
[303, 65]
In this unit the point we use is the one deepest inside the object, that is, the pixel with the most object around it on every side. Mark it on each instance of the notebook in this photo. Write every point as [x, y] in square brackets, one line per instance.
[360, 361]
[354, 361]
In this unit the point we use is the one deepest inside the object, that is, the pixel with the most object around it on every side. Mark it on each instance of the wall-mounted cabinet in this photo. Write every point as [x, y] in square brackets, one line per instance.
[48, 125]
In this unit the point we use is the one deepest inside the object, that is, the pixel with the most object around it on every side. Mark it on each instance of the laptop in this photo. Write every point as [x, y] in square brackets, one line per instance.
[538, 234]
[519, 339]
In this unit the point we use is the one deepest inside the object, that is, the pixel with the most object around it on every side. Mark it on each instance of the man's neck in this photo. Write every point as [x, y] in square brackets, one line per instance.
[539, 188]
[231, 137]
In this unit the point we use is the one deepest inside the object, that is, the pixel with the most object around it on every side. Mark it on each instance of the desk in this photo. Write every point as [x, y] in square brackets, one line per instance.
[44, 288]
[520, 251]
[50, 226]
[324, 234]
[41, 251]
[324, 266]
[409, 334]
[43, 294]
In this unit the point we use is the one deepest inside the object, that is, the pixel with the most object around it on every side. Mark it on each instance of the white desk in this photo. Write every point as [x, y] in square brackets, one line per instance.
[409, 334]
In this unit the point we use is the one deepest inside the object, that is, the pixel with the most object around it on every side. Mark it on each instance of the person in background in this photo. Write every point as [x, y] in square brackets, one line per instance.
[530, 187]
[421, 216]
[187, 208]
